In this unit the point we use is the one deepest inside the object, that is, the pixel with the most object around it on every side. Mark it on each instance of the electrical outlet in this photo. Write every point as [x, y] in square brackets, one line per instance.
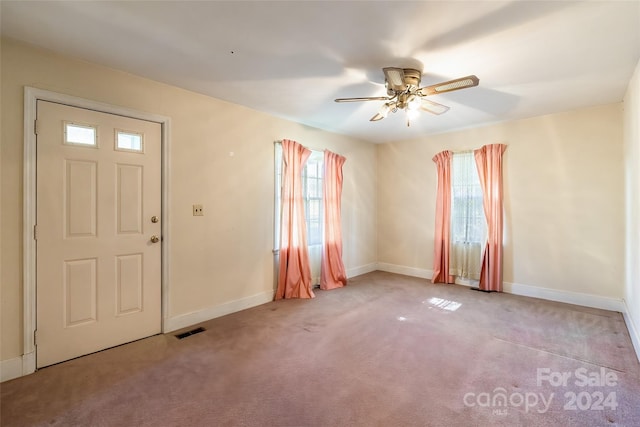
[198, 210]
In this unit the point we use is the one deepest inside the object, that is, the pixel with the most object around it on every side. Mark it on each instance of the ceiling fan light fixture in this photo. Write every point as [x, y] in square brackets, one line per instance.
[412, 114]
[414, 103]
[384, 109]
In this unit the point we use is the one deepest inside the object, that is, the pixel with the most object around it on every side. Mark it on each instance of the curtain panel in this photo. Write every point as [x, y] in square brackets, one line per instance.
[332, 271]
[294, 278]
[442, 235]
[489, 163]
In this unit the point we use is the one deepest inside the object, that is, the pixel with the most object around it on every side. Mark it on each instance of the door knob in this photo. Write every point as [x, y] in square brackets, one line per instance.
[154, 219]
[155, 239]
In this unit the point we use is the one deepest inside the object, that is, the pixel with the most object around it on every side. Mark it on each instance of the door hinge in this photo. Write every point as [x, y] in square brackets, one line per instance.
[35, 126]
[35, 337]
[35, 232]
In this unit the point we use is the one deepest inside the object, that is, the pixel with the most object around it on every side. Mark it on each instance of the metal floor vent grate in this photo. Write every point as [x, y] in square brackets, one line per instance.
[189, 333]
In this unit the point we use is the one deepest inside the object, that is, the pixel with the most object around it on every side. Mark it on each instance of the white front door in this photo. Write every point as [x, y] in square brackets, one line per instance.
[98, 231]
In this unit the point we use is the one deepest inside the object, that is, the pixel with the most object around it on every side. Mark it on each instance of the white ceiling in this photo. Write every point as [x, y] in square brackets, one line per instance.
[292, 58]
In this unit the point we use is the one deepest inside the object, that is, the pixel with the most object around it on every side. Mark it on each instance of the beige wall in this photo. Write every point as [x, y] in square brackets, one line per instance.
[221, 257]
[564, 199]
[563, 181]
[632, 174]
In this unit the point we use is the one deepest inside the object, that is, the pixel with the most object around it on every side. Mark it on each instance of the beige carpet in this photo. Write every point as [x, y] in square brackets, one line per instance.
[387, 350]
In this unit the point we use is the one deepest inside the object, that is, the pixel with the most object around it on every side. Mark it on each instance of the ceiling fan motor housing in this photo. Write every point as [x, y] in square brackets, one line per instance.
[412, 77]
[410, 80]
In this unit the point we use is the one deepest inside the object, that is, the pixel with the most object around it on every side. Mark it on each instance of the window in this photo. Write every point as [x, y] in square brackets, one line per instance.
[129, 141]
[312, 193]
[468, 223]
[77, 134]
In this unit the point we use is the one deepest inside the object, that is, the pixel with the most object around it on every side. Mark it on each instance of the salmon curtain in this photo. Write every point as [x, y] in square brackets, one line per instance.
[332, 272]
[489, 163]
[443, 219]
[294, 278]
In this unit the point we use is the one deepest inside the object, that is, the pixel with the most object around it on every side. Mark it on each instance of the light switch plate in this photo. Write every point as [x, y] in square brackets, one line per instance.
[198, 210]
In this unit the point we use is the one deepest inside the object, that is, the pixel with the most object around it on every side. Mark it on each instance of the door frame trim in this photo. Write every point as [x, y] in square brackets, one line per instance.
[31, 96]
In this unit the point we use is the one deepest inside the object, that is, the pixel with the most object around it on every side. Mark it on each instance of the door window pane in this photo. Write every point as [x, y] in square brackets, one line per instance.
[75, 134]
[129, 141]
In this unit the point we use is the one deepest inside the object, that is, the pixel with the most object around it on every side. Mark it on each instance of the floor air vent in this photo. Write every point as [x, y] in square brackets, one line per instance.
[189, 333]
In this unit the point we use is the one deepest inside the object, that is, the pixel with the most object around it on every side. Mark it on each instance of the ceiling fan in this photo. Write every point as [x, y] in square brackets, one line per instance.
[404, 93]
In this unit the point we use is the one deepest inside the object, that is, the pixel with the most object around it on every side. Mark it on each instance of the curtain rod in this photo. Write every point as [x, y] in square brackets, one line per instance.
[305, 146]
[471, 150]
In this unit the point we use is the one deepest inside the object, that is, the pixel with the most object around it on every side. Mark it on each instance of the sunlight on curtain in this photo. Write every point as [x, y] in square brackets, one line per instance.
[489, 162]
[333, 274]
[312, 178]
[442, 233]
[468, 223]
[294, 275]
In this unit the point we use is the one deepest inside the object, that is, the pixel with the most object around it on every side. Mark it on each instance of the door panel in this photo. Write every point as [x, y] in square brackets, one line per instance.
[79, 290]
[98, 272]
[129, 188]
[129, 284]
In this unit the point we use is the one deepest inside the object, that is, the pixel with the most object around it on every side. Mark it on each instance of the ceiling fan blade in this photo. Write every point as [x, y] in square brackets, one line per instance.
[377, 117]
[395, 78]
[433, 107]
[461, 83]
[367, 98]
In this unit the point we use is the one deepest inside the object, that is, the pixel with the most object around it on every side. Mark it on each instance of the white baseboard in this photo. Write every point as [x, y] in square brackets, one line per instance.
[29, 363]
[577, 298]
[407, 271]
[185, 320]
[587, 300]
[634, 331]
[10, 369]
[363, 269]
